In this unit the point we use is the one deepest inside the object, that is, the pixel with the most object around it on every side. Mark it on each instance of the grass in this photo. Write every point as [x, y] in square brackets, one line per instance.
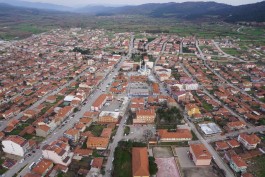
[18, 129]
[96, 129]
[207, 106]
[122, 163]
[126, 130]
[194, 137]
[231, 51]
[258, 166]
[3, 170]
[179, 144]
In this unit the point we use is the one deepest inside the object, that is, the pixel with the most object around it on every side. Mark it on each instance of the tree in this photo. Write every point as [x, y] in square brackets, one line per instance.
[147, 135]
[152, 166]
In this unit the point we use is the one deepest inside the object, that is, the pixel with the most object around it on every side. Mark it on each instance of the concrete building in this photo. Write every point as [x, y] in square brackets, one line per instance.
[178, 135]
[249, 141]
[145, 116]
[58, 152]
[108, 117]
[15, 145]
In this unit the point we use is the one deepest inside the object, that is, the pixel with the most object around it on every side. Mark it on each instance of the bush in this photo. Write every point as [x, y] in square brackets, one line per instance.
[152, 166]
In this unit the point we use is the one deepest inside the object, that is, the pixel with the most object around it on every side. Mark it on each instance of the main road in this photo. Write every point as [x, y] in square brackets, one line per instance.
[119, 133]
[201, 55]
[37, 103]
[58, 132]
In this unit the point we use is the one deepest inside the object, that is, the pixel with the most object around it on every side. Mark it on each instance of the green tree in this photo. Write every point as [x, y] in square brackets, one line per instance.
[152, 166]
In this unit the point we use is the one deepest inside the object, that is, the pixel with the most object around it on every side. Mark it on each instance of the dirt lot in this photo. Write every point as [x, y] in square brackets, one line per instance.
[162, 152]
[167, 167]
[199, 172]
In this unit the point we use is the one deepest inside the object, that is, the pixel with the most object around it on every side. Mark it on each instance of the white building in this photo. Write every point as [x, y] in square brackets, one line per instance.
[15, 145]
[58, 152]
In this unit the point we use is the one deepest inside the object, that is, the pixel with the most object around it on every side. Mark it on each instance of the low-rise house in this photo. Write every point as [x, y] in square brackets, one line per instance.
[200, 154]
[233, 143]
[174, 136]
[140, 163]
[58, 152]
[236, 125]
[106, 133]
[249, 141]
[97, 162]
[80, 153]
[43, 130]
[100, 143]
[238, 164]
[221, 145]
[15, 145]
[51, 99]
[192, 109]
[43, 167]
[72, 134]
[100, 101]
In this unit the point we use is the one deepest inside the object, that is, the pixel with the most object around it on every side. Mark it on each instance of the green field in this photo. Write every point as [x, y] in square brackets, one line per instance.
[231, 51]
[257, 166]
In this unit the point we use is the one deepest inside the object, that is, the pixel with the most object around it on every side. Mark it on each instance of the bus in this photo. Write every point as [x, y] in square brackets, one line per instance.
[32, 165]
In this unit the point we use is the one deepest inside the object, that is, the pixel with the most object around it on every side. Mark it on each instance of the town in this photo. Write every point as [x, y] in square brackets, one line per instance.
[83, 102]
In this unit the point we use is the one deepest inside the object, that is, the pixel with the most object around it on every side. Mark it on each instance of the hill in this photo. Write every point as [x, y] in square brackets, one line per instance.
[36, 5]
[186, 10]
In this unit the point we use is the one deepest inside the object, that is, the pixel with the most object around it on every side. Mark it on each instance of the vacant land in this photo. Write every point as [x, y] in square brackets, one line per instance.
[167, 167]
[257, 166]
[199, 172]
[162, 152]
[231, 51]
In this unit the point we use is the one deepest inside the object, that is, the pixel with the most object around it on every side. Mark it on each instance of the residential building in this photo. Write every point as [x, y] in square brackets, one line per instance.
[15, 145]
[58, 152]
[238, 164]
[100, 143]
[43, 130]
[43, 167]
[100, 101]
[249, 141]
[200, 154]
[236, 125]
[72, 134]
[192, 109]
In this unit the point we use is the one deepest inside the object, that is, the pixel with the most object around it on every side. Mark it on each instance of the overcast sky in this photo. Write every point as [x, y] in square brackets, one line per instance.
[134, 2]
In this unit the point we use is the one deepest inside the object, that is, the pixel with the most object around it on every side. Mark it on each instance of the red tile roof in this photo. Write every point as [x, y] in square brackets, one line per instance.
[140, 163]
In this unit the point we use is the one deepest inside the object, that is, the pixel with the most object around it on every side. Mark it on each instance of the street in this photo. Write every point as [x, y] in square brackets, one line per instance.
[60, 130]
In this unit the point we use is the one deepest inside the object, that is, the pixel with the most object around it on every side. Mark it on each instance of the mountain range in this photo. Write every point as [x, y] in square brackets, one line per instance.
[185, 10]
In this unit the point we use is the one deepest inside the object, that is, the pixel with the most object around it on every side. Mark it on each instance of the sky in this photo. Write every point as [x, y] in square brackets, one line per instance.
[73, 3]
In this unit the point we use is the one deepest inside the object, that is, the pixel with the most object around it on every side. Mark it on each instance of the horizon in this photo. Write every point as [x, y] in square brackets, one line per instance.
[80, 3]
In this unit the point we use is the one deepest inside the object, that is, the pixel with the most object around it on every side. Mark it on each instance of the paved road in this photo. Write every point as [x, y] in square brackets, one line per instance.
[60, 130]
[119, 133]
[215, 155]
[225, 54]
[215, 99]
[36, 104]
[221, 77]
[235, 133]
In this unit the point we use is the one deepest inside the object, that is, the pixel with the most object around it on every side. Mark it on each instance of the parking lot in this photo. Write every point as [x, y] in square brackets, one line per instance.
[137, 132]
[189, 168]
[112, 105]
[184, 160]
